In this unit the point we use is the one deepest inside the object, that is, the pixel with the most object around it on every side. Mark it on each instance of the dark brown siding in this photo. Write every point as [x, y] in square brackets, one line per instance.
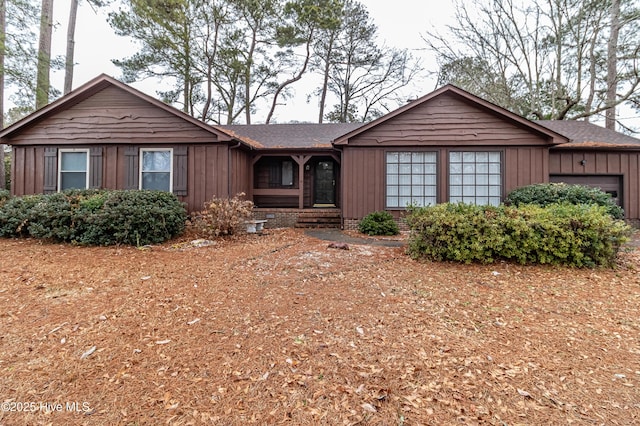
[444, 123]
[524, 166]
[364, 177]
[207, 169]
[447, 120]
[620, 163]
[240, 176]
[112, 115]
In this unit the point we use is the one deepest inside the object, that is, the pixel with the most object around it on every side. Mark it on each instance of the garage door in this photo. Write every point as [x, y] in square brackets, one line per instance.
[609, 184]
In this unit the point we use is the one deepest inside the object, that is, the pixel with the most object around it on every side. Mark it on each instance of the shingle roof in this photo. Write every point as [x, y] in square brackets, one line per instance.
[298, 135]
[588, 135]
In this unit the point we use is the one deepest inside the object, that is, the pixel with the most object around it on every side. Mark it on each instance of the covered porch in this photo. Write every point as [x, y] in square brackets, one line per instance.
[291, 180]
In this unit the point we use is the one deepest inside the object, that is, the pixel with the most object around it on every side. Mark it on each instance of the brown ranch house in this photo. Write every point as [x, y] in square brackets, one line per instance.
[446, 146]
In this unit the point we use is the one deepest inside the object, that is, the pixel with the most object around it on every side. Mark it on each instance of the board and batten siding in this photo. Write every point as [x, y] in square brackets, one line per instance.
[612, 163]
[114, 124]
[206, 174]
[443, 124]
[364, 173]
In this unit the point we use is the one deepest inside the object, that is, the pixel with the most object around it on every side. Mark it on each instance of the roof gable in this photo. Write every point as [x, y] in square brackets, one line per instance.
[453, 116]
[115, 108]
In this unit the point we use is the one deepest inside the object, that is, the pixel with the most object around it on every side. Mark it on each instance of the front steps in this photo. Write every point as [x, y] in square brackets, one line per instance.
[319, 219]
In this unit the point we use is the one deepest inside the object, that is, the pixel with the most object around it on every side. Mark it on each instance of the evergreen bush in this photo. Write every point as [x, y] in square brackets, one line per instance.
[133, 217]
[378, 223]
[582, 235]
[95, 217]
[16, 215]
[544, 194]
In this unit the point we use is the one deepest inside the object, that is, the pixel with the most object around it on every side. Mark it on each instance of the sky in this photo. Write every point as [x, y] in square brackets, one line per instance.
[97, 45]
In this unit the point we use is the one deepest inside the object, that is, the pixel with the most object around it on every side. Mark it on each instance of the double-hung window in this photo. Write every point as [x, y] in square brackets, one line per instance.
[156, 169]
[475, 177]
[73, 169]
[411, 179]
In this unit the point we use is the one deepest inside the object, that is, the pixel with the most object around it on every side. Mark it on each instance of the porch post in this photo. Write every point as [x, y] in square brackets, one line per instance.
[301, 160]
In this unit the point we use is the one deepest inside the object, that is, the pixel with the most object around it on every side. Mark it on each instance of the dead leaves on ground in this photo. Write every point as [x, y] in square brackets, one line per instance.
[280, 328]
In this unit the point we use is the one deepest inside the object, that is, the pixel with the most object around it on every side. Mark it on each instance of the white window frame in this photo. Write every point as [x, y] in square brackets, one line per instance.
[142, 172]
[61, 152]
[417, 187]
[476, 180]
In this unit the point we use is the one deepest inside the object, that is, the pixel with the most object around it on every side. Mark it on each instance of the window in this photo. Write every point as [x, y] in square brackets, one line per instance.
[73, 169]
[475, 177]
[156, 167]
[411, 179]
[287, 173]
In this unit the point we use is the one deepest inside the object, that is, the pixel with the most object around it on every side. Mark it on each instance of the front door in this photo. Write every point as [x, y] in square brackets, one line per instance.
[325, 184]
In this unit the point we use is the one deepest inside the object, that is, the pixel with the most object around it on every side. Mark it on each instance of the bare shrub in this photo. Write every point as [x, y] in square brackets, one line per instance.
[222, 216]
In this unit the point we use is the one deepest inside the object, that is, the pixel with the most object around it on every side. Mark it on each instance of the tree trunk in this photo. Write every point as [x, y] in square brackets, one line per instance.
[71, 31]
[612, 66]
[325, 80]
[3, 14]
[44, 54]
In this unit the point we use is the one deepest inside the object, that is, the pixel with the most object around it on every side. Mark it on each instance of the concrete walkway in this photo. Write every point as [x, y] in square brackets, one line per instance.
[336, 235]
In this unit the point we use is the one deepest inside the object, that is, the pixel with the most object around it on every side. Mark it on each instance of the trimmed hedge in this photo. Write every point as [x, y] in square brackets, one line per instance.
[575, 235]
[378, 223]
[95, 217]
[544, 194]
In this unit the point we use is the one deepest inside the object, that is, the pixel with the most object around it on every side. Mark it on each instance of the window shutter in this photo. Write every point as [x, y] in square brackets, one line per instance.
[50, 170]
[95, 167]
[180, 170]
[132, 165]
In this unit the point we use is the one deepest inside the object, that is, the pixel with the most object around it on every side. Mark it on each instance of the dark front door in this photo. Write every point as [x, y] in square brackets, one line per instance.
[325, 184]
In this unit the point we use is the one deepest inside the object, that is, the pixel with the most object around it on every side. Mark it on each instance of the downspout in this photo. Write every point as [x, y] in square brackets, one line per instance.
[229, 168]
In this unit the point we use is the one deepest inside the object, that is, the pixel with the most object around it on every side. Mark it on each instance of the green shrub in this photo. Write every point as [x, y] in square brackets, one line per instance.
[16, 214]
[222, 216]
[544, 194]
[378, 223]
[133, 218]
[575, 235]
[95, 217]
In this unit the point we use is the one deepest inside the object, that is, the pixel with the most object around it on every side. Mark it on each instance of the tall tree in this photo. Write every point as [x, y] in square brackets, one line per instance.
[306, 19]
[164, 31]
[3, 33]
[71, 31]
[363, 76]
[20, 59]
[546, 59]
[258, 21]
[44, 54]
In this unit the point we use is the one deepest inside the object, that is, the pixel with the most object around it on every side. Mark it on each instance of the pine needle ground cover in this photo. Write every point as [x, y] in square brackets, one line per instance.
[280, 328]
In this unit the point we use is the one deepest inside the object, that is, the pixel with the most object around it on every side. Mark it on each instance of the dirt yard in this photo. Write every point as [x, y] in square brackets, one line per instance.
[280, 328]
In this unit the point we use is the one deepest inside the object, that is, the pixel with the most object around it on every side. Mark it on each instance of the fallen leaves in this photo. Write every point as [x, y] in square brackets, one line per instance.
[279, 328]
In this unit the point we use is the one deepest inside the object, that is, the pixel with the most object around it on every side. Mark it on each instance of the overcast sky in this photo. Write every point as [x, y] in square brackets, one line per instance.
[97, 45]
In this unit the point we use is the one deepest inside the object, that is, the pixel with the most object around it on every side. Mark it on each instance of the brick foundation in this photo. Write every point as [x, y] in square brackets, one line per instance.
[283, 218]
